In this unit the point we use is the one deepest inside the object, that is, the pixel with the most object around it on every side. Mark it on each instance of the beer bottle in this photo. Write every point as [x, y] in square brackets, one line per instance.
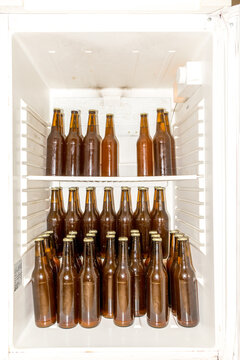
[73, 220]
[55, 221]
[107, 219]
[109, 150]
[89, 294]
[73, 147]
[159, 220]
[92, 148]
[49, 257]
[142, 220]
[170, 261]
[55, 147]
[123, 287]
[90, 219]
[61, 206]
[43, 289]
[62, 131]
[157, 288]
[147, 261]
[53, 249]
[162, 147]
[137, 268]
[67, 309]
[77, 255]
[186, 287]
[78, 202]
[124, 216]
[172, 272]
[96, 258]
[76, 259]
[144, 149]
[108, 270]
[172, 141]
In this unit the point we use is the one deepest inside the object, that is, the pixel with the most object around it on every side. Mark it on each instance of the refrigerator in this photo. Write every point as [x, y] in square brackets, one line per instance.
[124, 59]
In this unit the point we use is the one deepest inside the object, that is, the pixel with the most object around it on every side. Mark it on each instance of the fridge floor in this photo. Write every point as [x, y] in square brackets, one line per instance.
[106, 334]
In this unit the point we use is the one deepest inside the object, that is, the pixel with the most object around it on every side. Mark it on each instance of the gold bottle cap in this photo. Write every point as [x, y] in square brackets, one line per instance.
[144, 114]
[71, 236]
[90, 188]
[156, 238]
[67, 239]
[72, 232]
[178, 235]
[165, 112]
[60, 188]
[45, 236]
[54, 188]
[122, 238]
[134, 230]
[91, 111]
[72, 188]
[124, 188]
[88, 239]
[109, 114]
[93, 231]
[111, 232]
[183, 238]
[142, 188]
[108, 188]
[160, 110]
[153, 232]
[74, 111]
[135, 234]
[159, 188]
[110, 236]
[49, 232]
[38, 239]
[173, 231]
[57, 109]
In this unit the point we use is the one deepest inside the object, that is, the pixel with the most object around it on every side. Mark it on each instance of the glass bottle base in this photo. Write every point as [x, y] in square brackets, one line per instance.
[157, 324]
[123, 323]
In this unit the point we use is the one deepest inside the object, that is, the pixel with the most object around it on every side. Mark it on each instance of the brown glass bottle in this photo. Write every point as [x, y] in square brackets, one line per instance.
[92, 148]
[67, 307]
[107, 219]
[186, 287]
[89, 294]
[170, 261]
[142, 220]
[125, 216]
[157, 288]
[90, 219]
[78, 202]
[172, 272]
[76, 259]
[73, 220]
[61, 205]
[173, 152]
[62, 130]
[43, 289]
[108, 270]
[55, 147]
[49, 256]
[159, 218]
[55, 221]
[73, 147]
[147, 261]
[123, 287]
[144, 149]
[109, 150]
[137, 268]
[162, 147]
[53, 249]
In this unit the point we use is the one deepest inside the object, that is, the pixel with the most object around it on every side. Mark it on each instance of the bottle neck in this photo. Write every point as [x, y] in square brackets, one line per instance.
[167, 122]
[72, 201]
[136, 248]
[125, 201]
[88, 255]
[77, 201]
[40, 259]
[110, 253]
[61, 199]
[171, 245]
[67, 258]
[54, 201]
[123, 253]
[109, 126]
[159, 203]
[56, 122]
[144, 125]
[89, 206]
[61, 124]
[92, 125]
[143, 201]
[160, 127]
[74, 123]
[157, 257]
[47, 248]
[183, 254]
[107, 202]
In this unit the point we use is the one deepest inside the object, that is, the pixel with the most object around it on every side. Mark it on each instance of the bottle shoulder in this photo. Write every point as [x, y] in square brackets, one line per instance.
[73, 138]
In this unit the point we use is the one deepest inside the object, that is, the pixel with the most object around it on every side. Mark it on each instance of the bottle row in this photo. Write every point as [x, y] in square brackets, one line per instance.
[83, 289]
[122, 222]
[76, 155]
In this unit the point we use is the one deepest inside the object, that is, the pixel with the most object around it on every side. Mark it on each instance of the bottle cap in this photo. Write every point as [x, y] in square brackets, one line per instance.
[135, 234]
[144, 114]
[157, 238]
[60, 188]
[165, 112]
[57, 110]
[49, 232]
[109, 114]
[160, 110]
[74, 111]
[72, 188]
[72, 232]
[178, 235]
[88, 239]
[54, 188]
[110, 236]
[108, 188]
[92, 111]
[173, 231]
[159, 188]
[45, 236]
[38, 239]
[124, 188]
[67, 239]
[183, 238]
[90, 188]
[111, 232]
[153, 232]
[71, 236]
[122, 238]
[134, 230]
[93, 231]
[142, 188]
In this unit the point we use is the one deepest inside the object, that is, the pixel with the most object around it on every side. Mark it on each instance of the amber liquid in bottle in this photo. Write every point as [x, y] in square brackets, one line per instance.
[172, 272]
[107, 219]
[73, 147]
[61, 205]
[159, 219]
[55, 221]
[186, 287]
[108, 270]
[90, 219]
[67, 309]
[169, 263]
[43, 289]
[157, 288]
[125, 216]
[173, 150]
[109, 150]
[162, 147]
[144, 149]
[73, 220]
[92, 148]
[50, 260]
[123, 287]
[142, 220]
[53, 249]
[55, 147]
[137, 267]
[89, 294]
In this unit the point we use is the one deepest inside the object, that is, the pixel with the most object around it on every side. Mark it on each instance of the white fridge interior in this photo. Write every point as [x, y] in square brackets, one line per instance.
[124, 73]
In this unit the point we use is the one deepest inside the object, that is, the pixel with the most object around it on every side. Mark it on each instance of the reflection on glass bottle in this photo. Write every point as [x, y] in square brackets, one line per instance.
[144, 149]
